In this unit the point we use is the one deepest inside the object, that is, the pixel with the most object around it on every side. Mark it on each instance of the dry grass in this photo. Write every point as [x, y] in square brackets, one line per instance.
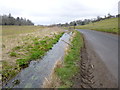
[19, 40]
[13, 40]
[53, 81]
[12, 30]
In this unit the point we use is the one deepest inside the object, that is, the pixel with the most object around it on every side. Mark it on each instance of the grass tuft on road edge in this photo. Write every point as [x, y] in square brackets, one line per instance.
[70, 67]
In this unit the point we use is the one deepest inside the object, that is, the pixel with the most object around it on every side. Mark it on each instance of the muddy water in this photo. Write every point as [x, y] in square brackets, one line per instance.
[34, 75]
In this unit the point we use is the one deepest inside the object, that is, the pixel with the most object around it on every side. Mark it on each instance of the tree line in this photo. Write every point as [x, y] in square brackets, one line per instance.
[87, 21]
[10, 20]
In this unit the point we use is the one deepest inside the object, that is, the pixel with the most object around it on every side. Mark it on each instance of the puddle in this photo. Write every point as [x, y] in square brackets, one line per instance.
[34, 75]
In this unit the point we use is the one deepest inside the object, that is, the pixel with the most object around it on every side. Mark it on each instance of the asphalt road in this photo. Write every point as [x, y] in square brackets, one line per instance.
[106, 46]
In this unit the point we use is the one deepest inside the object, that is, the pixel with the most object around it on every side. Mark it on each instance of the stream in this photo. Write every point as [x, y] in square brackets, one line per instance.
[34, 75]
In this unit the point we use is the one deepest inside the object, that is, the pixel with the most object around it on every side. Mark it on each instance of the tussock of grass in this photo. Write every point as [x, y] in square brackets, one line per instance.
[9, 71]
[17, 48]
[70, 68]
[13, 54]
[108, 25]
[37, 49]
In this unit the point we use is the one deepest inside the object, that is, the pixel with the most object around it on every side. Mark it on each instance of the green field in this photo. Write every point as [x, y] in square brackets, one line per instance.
[108, 25]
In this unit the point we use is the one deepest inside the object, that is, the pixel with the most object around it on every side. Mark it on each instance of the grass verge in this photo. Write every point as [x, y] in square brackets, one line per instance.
[70, 68]
[33, 51]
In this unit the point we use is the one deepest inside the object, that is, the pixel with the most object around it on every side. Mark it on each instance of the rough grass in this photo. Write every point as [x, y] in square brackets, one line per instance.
[14, 42]
[23, 45]
[108, 25]
[36, 50]
[12, 30]
[8, 71]
[70, 67]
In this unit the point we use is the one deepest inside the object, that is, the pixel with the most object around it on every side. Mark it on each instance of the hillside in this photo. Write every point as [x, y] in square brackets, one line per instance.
[107, 25]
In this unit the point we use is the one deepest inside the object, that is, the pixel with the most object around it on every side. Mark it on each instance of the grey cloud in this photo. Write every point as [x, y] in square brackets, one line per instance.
[59, 11]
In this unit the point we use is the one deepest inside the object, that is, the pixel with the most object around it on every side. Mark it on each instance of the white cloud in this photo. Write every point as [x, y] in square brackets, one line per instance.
[58, 11]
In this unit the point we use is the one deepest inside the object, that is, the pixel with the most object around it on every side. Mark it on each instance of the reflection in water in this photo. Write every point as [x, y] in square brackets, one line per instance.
[34, 75]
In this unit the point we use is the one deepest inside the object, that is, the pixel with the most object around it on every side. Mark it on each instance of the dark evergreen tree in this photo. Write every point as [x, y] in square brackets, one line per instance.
[9, 20]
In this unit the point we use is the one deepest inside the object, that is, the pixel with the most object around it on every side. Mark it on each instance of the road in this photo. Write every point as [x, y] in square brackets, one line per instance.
[106, 46]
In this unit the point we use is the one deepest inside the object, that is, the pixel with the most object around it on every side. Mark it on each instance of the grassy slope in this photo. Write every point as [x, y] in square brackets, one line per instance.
[108, 25]
[70, 68]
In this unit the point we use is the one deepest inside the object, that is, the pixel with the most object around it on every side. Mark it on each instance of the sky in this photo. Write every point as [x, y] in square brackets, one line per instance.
[46, 12]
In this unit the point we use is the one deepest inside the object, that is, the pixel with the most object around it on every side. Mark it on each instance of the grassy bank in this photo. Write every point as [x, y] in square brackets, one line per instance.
[108, 25]
[36, 50]
[21, 48]
[69, 67]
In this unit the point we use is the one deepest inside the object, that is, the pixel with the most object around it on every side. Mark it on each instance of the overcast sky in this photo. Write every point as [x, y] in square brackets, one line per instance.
[47, 12]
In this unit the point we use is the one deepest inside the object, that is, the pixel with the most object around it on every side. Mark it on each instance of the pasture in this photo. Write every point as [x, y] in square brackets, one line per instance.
[107, 25]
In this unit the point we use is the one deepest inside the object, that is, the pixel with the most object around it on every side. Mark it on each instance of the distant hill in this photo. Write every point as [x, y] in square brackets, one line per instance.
[107, 25]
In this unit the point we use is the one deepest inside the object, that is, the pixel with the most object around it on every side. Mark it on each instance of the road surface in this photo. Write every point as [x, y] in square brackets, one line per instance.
[106, 46]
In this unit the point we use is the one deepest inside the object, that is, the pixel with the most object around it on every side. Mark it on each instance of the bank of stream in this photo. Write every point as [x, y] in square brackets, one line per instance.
[34, 75]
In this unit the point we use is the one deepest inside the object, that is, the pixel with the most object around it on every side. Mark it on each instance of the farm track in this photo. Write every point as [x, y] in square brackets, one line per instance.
[85, 77]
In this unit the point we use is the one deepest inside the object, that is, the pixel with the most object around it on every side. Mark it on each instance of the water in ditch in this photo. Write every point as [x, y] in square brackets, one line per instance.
[34, 75]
